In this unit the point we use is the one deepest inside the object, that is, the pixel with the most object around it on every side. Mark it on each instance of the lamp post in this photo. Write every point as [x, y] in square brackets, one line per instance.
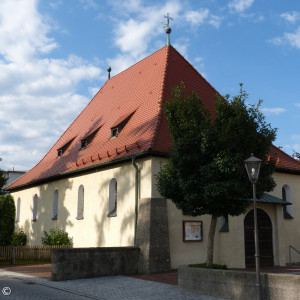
[252, 165]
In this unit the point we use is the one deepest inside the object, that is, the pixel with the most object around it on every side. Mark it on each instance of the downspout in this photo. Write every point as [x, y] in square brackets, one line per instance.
[136, 195]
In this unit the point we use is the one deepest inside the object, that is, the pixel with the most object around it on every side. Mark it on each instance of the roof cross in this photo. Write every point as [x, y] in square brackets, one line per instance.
[168, 20]
[168, 29]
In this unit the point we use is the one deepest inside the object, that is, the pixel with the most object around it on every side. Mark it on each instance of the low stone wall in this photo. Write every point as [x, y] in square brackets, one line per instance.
[237, 284]
[78, 263]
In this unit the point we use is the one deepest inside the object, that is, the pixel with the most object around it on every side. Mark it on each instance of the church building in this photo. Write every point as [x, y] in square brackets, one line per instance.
[97, 181]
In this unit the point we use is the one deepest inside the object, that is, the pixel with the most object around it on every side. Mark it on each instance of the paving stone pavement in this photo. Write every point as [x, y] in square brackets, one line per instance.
[112, 288]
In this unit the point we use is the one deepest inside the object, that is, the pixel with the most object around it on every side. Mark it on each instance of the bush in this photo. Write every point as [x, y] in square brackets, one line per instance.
[56, 237]
[204, 266]
[7, 219]
[19, 238]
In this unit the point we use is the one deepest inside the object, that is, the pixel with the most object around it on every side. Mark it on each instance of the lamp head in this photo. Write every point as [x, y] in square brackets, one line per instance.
[252, 165]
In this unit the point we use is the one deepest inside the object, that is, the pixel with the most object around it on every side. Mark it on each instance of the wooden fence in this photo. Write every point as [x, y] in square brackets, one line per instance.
[26, 254]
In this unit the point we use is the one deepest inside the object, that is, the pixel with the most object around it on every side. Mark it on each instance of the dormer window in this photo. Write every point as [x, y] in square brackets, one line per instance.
[63, 149]
[119, 125]
[88, 139]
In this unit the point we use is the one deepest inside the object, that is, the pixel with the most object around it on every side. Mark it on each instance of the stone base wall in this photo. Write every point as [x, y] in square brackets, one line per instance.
[237, 284]
[152, 236]
[78, 263]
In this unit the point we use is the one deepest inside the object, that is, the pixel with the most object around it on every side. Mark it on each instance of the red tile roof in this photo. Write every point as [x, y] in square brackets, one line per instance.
[138, 90]
[283, 160]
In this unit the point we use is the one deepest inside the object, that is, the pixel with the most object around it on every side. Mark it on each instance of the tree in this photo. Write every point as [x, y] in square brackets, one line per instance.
[206, 173]
[296, 155]
[7, 219]
[3, 179]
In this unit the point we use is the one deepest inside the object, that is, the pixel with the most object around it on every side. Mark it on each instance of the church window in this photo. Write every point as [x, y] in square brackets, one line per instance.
[80, 203]
[119, 125]
[34, 210]
[63, 149]
[287, 196]
[55, 205]
[113, 198]
[87, 140]
[18, 210]
[223, 224]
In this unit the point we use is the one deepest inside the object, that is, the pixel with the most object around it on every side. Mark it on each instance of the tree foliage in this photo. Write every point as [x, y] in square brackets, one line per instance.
[3, 179]
[56, 237]
[206, 173]
[7, 219]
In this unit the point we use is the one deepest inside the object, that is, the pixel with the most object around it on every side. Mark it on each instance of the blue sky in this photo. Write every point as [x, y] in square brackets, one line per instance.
[54, 56]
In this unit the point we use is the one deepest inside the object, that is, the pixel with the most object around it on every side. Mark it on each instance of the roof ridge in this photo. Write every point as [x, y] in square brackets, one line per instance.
[162, 94]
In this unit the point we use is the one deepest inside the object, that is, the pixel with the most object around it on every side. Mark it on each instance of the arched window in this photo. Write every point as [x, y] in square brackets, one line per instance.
[34, 210]
[55, 205]
[18, 210]
[80, 203]
[223, 224]
[113, 198]
[287, 196]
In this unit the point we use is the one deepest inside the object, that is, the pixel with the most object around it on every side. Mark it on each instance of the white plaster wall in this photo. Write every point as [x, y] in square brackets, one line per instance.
[96, 229]
[288, 229]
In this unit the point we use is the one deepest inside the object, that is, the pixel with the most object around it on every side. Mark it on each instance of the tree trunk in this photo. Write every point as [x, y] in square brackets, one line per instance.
[210, 240]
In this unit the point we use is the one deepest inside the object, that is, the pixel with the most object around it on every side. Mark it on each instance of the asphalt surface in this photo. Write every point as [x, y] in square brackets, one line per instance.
[105, 288]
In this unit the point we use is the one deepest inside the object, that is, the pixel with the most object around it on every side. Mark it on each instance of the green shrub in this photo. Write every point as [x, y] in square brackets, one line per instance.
[19, 238]
[56, 237]
[7, 219]
[204, 266]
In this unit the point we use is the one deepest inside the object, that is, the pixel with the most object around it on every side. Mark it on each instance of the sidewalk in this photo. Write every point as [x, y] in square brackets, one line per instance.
[112, 288]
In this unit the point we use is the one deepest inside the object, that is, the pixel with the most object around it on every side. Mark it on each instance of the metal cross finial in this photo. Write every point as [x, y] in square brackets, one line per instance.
[168, 29]
[168, 19]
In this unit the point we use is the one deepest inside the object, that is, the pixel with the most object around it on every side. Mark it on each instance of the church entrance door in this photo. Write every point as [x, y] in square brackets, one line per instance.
[265, 236]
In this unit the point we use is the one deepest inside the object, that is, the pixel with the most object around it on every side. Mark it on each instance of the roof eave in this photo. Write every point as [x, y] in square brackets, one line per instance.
[81, 171]
[287, 171]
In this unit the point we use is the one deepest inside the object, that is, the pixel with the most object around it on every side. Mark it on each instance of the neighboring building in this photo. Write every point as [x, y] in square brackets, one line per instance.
[12, 176]
[97, 182]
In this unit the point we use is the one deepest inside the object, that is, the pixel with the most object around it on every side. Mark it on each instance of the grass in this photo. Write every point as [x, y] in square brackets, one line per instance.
[205, 266]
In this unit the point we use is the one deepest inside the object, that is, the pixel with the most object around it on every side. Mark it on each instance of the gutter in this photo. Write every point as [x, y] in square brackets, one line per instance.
[136, 194]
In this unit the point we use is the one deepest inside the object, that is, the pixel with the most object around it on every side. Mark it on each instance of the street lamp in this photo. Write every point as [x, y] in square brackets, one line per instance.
[252, 165]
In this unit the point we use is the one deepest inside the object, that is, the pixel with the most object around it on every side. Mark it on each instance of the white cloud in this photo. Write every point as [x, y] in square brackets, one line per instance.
[273, 111]
[240, 6]
[23, 33]
[197, 17]
[88, 4]
[296, 136]
[291, 17]
[292, 39]
[38, 97]
[140, 25]
[202, 16]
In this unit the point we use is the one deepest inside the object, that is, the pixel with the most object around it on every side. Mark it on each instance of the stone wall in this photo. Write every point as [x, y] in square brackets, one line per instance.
[152, 236]
[78, 263]
[237, 284]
